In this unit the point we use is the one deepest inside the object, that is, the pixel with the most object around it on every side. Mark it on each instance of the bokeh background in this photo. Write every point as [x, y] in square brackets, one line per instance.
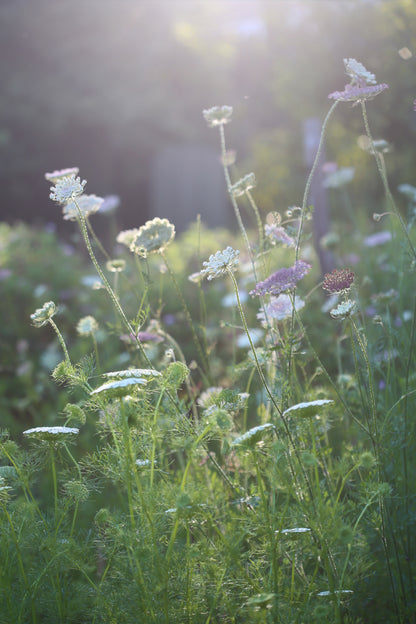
[117, 88]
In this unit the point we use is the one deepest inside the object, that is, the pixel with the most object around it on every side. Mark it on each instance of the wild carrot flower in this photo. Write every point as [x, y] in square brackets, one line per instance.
[153, 237]
[88, 205]
[126, 237]
[66, 188]
[279, 308]
[220, 262]
[362, 86]
[344, 310]
[61, 173]
[282, 280]
[116, 266]
[42, 315]
[339, 281]
[307, 408]
[358, 73]
[87, 326]
[339, 178]
[51, 434]
[217, 115]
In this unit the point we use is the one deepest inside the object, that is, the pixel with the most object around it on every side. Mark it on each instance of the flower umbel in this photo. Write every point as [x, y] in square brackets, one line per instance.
[339, 281]
[42, 315]
[153, 237]
[51, 434]
[88, 204]
[344, 310]
[217, 115]
[221, 262]
[87, 326]
[358, 73]
[282, 280]
[66, 188]
[61, 173]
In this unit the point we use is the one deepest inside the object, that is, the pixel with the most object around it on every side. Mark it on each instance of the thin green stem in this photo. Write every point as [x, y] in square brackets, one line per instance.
[61, 340]
[381, 166]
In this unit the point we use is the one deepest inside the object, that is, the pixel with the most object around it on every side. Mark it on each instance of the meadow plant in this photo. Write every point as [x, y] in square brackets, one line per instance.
[206, 478]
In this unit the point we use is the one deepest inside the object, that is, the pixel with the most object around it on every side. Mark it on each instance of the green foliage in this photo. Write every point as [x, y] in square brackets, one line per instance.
[236, 458]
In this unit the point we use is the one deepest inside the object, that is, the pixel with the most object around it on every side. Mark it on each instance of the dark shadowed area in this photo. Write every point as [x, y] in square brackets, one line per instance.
[117, 88]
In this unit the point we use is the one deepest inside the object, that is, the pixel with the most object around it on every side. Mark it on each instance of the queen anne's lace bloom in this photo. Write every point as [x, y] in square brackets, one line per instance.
[87, 326]
[278, 234]
[51, 434]
[279, 308]
[88, 205]
[217, 115]
[358, 73]
[221, 262]
[61, 173]
[343, 310]
[66, 188]
[153, 237]
[42, 315]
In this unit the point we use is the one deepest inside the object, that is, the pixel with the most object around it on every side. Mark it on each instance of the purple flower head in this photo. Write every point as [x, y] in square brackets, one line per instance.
[380, 238]
[338, 281]
[354, 93]
[282, 280]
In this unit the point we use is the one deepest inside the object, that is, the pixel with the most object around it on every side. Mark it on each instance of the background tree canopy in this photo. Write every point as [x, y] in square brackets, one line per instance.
[104, 85]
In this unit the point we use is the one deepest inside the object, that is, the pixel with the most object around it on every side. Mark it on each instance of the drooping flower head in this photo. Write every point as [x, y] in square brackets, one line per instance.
[152, 237]
[67, 188]
[283, 280]
[42, 315]
[217, 115]
[221, 262]
[339, 281]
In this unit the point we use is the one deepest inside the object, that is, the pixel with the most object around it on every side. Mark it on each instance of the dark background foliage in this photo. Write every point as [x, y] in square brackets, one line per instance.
[105, 85]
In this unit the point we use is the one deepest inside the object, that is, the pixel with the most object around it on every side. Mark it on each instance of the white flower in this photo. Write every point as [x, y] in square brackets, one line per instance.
[217, 115]
[339, 178]
[309, 408]
[61, 173]
[358, 73]
[67, 188]
[87, 326]
[42, 315]
[51, 434]
[221, 262]
[133, 372]
[252, 436]
[343, 310]
[119, 388]
[279, 308]
[88, 204]
[294, 532]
